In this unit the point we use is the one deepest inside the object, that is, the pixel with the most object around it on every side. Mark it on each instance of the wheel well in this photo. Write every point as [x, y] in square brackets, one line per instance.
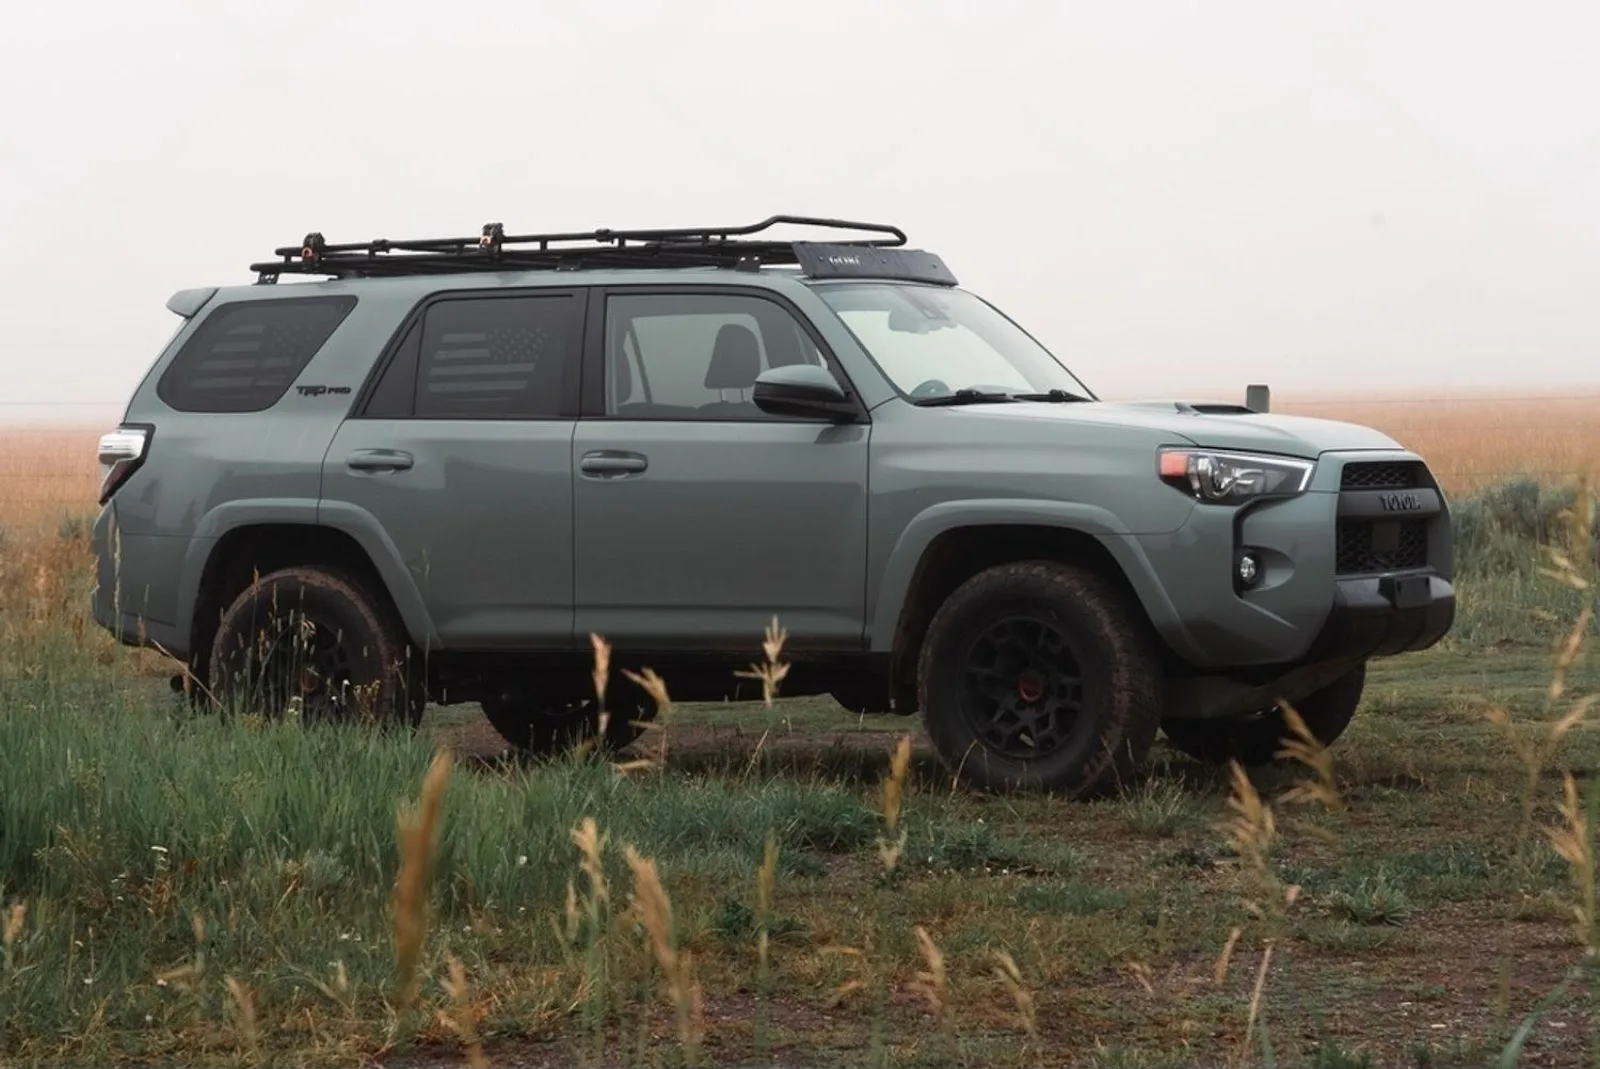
[957, 555]
[245, 553]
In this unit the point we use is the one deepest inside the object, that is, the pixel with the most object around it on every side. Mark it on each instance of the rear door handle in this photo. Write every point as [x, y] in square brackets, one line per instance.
[379, 460]
[608, 463]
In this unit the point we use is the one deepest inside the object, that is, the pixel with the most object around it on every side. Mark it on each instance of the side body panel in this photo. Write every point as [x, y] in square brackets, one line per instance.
[723, 523]
[731, 525]
[465, 466]
[481, 523]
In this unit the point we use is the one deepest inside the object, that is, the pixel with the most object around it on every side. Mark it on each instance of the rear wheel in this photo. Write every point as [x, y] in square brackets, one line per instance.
[313, 642]
[545, 728]
[1256, 739]
[1039, 676]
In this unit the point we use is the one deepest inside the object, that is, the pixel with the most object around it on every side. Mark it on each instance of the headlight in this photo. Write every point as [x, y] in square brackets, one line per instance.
[1233, 478]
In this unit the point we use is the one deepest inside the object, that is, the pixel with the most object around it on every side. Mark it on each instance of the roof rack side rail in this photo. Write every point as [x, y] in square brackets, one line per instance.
[605, 235]
[493, 249]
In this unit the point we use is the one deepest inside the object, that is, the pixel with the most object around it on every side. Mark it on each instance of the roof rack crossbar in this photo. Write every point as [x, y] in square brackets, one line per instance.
[493, 249]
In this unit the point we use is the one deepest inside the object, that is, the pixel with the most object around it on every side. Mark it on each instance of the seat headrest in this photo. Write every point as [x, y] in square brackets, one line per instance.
[735, 359]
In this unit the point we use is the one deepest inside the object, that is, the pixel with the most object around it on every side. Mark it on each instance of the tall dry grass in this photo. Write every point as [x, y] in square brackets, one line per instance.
[47, 475]
[1472, 443]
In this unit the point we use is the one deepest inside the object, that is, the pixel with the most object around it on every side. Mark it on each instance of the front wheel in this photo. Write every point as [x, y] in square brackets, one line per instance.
[1039, 676]
[1256, 739]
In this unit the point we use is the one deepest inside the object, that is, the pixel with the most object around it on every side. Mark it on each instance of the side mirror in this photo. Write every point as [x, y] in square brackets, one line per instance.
[802, 390]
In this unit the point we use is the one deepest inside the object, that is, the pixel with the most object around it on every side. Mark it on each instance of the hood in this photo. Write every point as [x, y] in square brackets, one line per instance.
[1210, 426]
[1225, 426]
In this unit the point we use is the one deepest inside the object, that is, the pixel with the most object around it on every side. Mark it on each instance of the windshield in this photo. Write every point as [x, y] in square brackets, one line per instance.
[933, 343]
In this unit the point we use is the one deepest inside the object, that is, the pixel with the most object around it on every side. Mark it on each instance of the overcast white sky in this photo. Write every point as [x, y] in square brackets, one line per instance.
[1177, 197]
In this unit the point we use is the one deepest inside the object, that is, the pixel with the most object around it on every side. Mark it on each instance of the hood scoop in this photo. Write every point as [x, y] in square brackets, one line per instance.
[1195, 408]
[1213, 408]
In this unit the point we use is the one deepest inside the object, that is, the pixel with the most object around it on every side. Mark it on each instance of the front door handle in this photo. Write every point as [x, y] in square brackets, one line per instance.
[379, 460]
[609, 464]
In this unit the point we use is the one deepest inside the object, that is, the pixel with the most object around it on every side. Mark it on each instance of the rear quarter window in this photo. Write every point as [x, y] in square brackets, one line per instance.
[245, 355]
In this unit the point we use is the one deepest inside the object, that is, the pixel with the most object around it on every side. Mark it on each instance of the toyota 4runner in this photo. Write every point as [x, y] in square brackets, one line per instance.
[435, 471]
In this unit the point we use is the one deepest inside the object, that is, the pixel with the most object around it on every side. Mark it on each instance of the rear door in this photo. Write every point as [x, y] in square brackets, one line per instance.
[698, 516]
[458, 461]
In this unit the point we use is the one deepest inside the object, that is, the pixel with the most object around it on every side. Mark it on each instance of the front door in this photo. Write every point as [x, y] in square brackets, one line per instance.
[699, 517]
[461, 458]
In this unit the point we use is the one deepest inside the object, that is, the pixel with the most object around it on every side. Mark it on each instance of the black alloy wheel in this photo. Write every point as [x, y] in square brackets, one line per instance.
[313, 643]
[1024, 689]
[1040, 675]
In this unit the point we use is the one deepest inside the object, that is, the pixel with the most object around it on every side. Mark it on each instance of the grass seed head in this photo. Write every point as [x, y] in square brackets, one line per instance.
[591, 845]
[1010, 976]
[654, 909]
[890, 849]
[1252, 829]
[602, 676]
[602, 665]
[773, 671]
[1573, 841]
[463, 1018]
[1303, 746]
[245, 1013]
[894, 787]
[933, 982]
[418, 835]
[655, 687]
[14, 918]
[1220, 971]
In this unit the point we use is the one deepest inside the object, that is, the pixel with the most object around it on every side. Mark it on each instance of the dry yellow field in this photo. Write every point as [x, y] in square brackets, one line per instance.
[1469, 443]
[48, 474]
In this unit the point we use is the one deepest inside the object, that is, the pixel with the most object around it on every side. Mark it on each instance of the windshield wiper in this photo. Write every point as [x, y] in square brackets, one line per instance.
[966, 396]
[1056, 395]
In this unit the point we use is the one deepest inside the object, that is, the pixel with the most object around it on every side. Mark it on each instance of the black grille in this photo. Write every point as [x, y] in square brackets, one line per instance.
[1366, 547]
[1383, 475]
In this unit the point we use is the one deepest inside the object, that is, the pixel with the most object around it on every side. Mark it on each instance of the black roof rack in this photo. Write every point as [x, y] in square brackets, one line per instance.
[728, 247]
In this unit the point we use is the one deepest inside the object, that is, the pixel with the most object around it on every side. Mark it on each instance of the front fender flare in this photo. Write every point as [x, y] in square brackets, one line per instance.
[919, 534]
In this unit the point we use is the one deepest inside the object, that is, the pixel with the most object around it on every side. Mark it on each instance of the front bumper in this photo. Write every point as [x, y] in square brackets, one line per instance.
[1342, 575]
[1379, 616]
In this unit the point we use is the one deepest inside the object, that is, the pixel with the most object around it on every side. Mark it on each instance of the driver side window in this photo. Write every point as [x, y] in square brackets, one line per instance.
[695, 356]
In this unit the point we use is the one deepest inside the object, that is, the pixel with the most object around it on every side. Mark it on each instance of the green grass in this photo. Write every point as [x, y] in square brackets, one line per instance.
[160, 855]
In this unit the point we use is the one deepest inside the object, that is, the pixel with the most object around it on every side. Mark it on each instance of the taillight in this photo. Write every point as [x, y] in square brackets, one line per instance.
[121, 453]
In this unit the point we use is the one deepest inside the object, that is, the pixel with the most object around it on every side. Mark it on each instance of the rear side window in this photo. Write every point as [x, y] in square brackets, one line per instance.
[512, 357]
[244, 356]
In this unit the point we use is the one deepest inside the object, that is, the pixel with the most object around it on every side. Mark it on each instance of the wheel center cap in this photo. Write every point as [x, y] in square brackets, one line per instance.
[1030, 688]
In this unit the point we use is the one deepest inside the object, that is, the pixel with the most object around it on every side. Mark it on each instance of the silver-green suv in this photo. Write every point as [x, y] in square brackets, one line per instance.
[436, 470]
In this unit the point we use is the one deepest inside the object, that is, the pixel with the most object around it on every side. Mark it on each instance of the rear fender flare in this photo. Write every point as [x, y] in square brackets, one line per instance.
[356, 523]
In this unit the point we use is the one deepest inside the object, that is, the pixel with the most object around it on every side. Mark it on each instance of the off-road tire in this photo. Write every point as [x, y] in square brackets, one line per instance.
[538, 729]
[1256, 740]
[380, 677]
[1118, 672]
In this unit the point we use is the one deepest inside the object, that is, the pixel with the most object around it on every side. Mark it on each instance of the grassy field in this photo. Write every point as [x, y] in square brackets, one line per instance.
[792, 885]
